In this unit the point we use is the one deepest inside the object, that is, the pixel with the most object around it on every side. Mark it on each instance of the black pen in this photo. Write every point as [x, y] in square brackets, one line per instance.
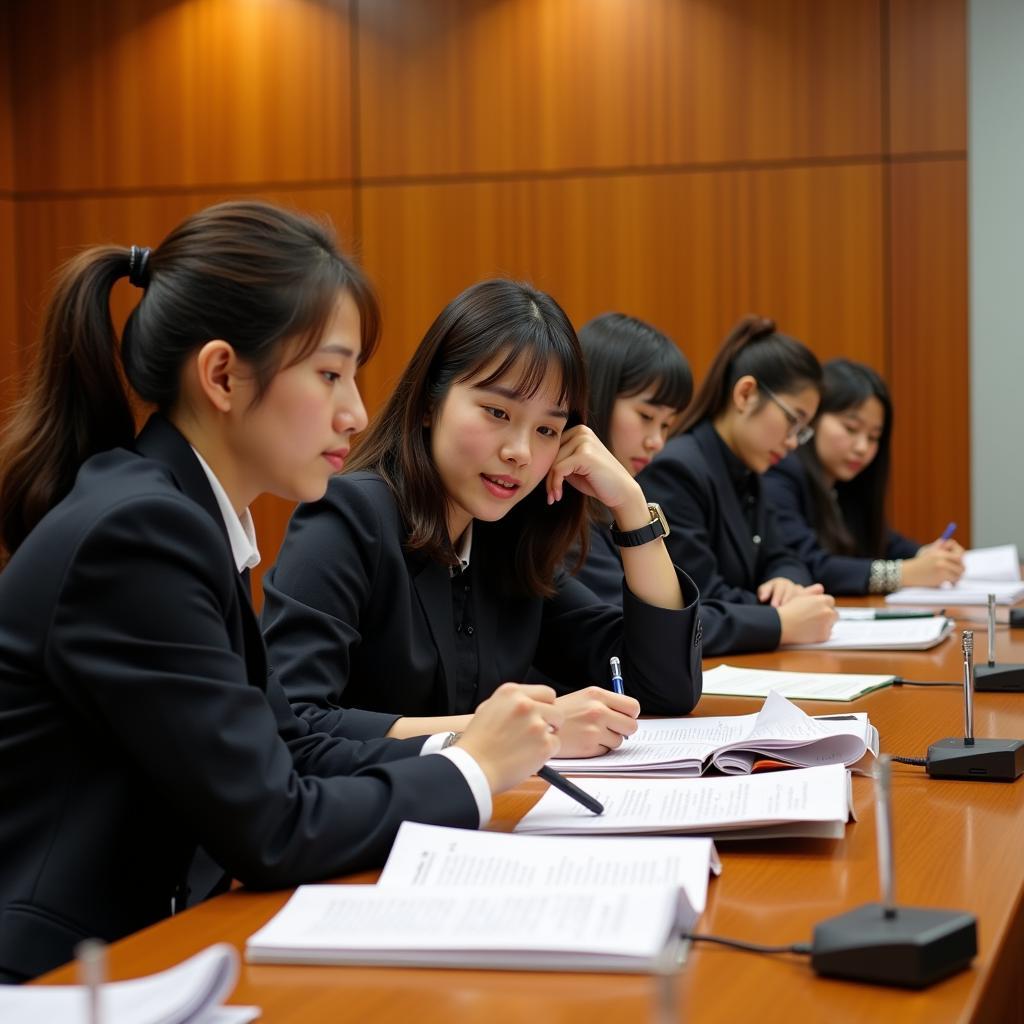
[885, 613]
[561, 782]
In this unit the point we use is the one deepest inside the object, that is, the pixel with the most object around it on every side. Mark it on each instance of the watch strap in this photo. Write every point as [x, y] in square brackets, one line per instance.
[642, 535]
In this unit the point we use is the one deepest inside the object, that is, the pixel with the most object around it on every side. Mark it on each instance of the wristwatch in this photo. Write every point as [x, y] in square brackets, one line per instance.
[657, 527]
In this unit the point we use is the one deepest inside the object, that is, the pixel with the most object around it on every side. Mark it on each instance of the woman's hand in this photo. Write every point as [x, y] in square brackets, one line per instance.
[779, 591]
[513, 733]
[596, 721]
[588, 466]
[807, 619]
[934, 564]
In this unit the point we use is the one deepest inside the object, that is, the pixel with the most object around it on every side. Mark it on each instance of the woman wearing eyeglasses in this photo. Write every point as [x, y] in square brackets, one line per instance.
[754, 407]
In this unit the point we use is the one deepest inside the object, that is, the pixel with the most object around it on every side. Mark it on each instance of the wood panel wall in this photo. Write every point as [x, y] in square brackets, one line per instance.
[682, 160]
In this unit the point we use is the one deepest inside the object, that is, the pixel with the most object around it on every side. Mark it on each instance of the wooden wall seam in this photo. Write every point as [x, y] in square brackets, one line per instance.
[885, 52]
[356, 181]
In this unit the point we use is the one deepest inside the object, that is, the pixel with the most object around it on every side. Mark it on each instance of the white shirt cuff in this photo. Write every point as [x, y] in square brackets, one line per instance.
[434, 743]
[471, 772]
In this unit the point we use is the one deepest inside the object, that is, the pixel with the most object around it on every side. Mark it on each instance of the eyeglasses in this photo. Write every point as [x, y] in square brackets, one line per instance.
[802, 431]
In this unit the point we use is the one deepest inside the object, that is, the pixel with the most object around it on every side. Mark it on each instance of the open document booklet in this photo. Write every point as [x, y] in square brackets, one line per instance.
[189, 993]
[986, 571]
[455, 898]
[780, 731]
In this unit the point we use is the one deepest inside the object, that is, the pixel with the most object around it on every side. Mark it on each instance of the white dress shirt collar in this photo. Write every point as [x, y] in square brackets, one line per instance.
[241, 533]
[463, 551]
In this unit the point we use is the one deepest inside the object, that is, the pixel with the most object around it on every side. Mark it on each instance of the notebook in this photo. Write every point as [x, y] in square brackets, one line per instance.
[987, 571]
[729, 681]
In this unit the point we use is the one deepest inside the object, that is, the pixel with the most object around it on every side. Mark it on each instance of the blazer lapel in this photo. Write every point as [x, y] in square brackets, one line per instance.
[434, 590]
[485, 615]
[252, 635]
[732, 513]
[161, 441]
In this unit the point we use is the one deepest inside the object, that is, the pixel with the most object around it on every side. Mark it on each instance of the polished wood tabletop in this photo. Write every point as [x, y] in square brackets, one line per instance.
[958, 845]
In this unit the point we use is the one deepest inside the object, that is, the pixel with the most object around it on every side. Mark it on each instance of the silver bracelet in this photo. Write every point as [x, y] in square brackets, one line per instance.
[885, 575]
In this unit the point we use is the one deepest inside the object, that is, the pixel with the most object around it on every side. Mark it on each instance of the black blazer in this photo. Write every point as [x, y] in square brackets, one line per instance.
[788, 490]
[137, 721]
[711, 538]
[351, 618]
[602, 572]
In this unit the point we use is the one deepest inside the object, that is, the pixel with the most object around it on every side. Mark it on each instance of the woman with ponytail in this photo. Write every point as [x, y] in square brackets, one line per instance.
[829, 495]
[142, 737]
[755, 405]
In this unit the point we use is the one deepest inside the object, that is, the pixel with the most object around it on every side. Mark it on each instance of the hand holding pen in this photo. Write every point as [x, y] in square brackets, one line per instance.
[936, 563]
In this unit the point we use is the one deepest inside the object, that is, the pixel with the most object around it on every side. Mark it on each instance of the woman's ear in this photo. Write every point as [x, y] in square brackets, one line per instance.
[744, 394]
[216, 367]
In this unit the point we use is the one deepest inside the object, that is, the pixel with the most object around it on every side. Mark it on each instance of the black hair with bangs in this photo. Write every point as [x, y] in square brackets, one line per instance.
[625, 357]
[495, 328]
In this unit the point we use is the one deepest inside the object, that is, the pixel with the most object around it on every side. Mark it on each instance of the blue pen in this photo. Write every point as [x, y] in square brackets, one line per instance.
[616, 668]
[948, 531]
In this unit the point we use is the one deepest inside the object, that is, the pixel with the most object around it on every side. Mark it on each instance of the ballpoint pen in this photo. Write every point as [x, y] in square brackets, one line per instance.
[549, 775]
[616, 669]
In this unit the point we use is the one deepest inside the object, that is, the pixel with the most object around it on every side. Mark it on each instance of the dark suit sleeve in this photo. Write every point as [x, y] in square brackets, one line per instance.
[660, 648]
[602, 572]
[329, 559]
[839, 574]
[898, 546]
[145, 653]
[733, 620]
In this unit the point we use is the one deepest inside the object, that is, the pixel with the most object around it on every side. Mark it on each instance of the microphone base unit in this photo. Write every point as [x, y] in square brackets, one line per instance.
[999, 678]
[912, 947]
[984, 760]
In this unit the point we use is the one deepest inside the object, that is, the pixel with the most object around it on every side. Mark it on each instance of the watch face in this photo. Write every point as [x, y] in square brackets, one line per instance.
[659, 516]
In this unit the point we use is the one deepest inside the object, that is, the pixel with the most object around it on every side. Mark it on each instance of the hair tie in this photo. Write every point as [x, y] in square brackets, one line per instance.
[138, 266]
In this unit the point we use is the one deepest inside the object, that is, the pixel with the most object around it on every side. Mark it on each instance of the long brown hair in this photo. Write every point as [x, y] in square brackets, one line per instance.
[249, 273]
[520, 327]
[755, 348]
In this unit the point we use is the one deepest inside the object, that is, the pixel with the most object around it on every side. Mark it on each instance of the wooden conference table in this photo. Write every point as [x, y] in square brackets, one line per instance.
[958, 845]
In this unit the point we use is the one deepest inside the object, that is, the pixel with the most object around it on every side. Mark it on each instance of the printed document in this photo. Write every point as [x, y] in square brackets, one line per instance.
[431, 855]
[602, 929]
[805, 801]
[882, 635]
